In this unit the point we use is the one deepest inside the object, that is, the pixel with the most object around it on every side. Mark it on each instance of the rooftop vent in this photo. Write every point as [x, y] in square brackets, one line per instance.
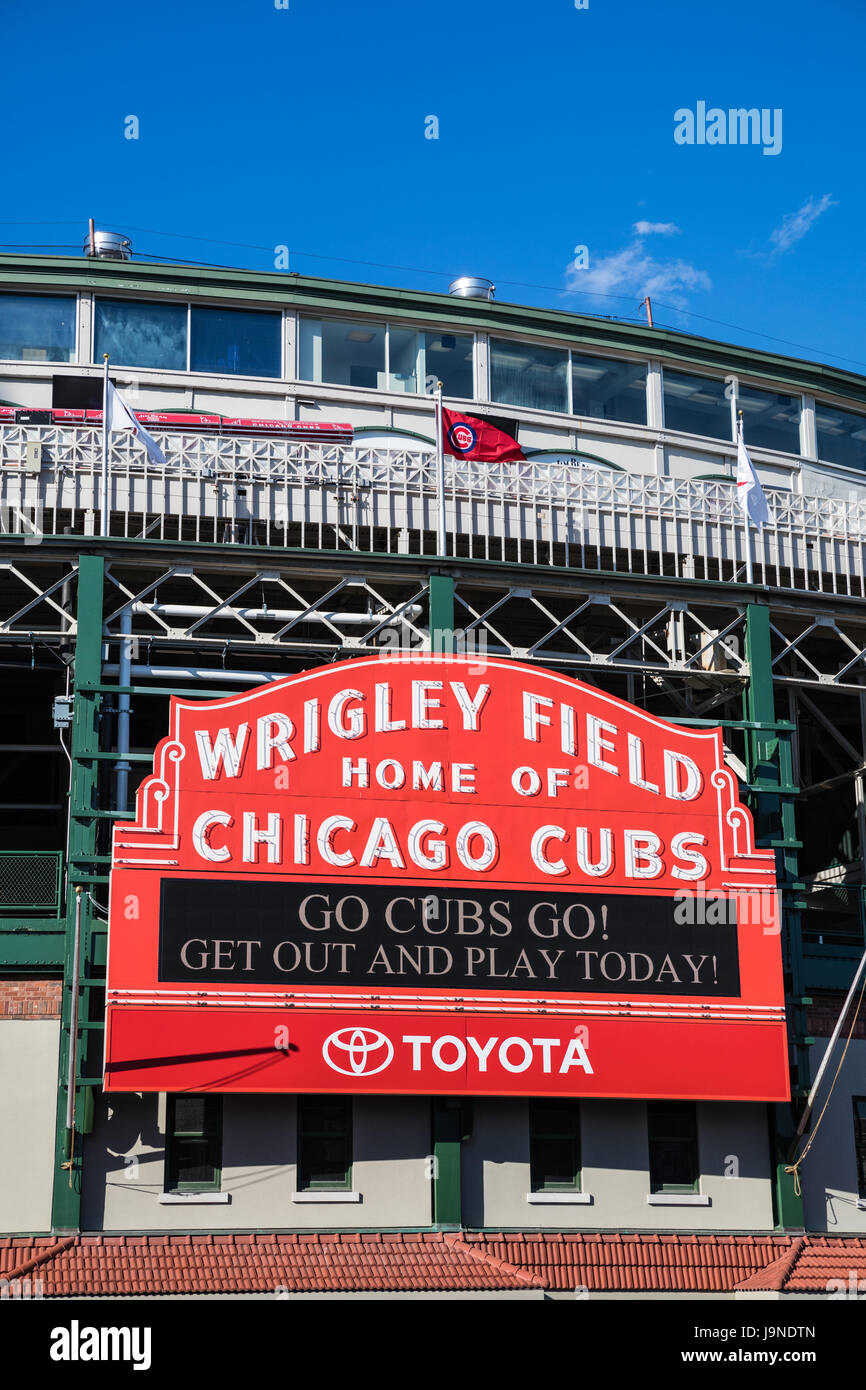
[108, 246]
[471, 287]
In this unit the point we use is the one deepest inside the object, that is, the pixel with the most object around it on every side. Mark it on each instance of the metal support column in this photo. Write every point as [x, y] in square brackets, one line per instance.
[66, 1206]
[448, 1128]
[441, 613]
[447, 1112]
[770, 768]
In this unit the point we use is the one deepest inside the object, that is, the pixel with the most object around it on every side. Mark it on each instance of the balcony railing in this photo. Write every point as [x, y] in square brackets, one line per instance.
[272, 492]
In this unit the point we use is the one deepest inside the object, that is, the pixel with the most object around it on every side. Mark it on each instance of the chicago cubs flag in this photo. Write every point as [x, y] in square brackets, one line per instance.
[468, 437]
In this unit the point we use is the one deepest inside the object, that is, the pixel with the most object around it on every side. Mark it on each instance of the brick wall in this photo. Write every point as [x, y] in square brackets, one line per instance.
[822, 1013]
[30, 998]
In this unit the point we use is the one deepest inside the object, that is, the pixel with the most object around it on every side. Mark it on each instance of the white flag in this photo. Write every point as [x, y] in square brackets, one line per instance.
[120, 417]
[749, 491]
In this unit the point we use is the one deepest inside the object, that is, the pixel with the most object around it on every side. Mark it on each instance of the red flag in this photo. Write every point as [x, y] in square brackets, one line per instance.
[468, 437]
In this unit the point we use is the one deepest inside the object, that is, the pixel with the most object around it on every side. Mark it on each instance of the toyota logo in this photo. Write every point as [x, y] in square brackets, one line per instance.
[360, 1049]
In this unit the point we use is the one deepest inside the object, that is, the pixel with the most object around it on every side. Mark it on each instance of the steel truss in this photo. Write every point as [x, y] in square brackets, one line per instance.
[223, 599]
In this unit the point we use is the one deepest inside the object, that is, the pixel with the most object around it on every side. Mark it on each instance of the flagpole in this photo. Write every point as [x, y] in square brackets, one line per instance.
[105, 515]
[440, 472]
[748, 535]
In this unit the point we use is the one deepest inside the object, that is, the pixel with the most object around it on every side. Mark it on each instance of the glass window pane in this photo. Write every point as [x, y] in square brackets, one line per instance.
[190, 1114]
[343, 352]
[673, 1144]
[403, 359]
[194, 1161]
[528, 375]
[236, 341]
[554, 1117]
[323, 1117]
[448, 358]
[37, 328]
[696, 405]
[841, 436]
[324, 1141]
[553, 1163]
[554, 1144]
[323, 1162]
[770, 421]
[141, 335]
[608, 390]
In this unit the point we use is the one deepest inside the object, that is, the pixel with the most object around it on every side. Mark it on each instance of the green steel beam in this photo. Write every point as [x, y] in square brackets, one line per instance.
[770, 769]
[23, 947]
[83, 791]
[447, 1137]
[447, 1112]
[441, 612]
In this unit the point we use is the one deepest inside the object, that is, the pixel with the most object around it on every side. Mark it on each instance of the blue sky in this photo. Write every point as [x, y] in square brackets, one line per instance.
[306, 126]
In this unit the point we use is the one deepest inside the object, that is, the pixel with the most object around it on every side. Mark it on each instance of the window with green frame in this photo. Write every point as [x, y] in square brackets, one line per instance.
[672, 1128]
[554, 1145]
[324, 1143]
[193, 1143]
[860, 1142]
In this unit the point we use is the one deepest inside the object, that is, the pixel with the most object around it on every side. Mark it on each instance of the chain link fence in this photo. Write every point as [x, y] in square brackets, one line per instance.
[30, 882]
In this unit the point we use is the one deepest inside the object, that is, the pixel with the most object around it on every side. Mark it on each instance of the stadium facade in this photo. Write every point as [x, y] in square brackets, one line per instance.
[294, 525]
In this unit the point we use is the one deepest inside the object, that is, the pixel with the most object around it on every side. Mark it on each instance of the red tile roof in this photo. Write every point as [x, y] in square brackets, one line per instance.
[652, 1263]
[812, 1265]
[466, 1262]
[220, 1264]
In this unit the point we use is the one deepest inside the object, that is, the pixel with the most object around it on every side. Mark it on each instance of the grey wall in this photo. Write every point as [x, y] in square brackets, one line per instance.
[391, 1169]
[391, 1144]
[28, 1112]
[615, 1170]
[829, 1173]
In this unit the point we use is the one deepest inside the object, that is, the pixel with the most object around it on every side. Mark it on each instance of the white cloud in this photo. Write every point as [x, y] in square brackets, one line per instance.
[656, 229]
[795, 226]
[636, 271]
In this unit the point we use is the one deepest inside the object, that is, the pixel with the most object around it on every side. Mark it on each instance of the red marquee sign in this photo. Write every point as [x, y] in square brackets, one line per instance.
[442, 875]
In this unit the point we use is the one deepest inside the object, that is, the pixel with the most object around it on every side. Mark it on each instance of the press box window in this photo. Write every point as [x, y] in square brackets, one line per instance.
[193, 1144]
[554, 1145]
[696, 405]
[37, 328]
[324, 1143]
[416, 361]
[343, 352]
[234, 341]
[608, 390]
[136, 334]
[673, 1146]
[841, 436]
[860, 1142]
[526, 375]
[770, 421]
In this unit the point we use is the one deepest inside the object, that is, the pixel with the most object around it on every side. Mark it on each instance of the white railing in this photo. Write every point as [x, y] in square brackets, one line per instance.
[274, 492]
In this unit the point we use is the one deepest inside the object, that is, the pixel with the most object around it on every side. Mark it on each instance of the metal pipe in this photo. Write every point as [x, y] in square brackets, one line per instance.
[197, 673]
[105, 514]
[73, 1021]
[442, 530]
[122, 768]
[202, 610]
